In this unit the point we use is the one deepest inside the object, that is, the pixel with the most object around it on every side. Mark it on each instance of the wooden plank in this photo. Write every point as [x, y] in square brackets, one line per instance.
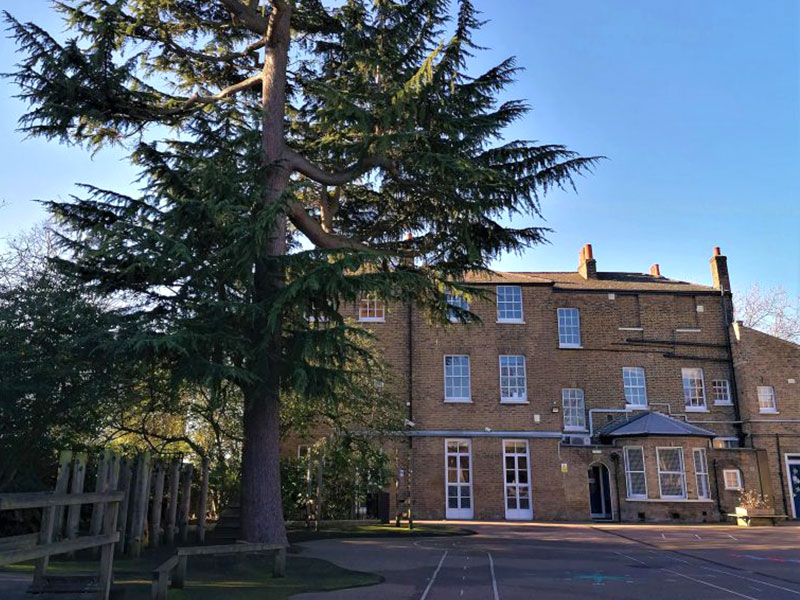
[186, 502]
[51, 499]
[179, 576]
[139, 504]
[172, 507]
[110, 516]
[59, 518]
[49, 513]
[16, 542]
[279, 565]
[100, 485]
[124, 485]
[241, 548]
[202, 502]
[158, 501]
[74, 513]
[62, 547]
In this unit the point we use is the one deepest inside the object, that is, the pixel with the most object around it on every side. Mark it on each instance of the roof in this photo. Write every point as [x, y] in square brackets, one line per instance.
[606, 280]
[654, 424]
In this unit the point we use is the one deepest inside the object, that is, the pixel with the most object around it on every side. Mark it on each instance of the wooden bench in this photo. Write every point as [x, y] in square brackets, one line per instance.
[747, 518]
[176, 565]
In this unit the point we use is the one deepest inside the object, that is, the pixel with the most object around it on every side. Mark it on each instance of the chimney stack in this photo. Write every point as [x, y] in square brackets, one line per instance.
[587, 266]
[655, 270]
[719, 271]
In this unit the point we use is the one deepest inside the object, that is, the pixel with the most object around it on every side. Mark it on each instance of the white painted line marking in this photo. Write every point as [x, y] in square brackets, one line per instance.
[663, 537]
[433, 578]
[758, 581]
[719, 587]
[630, 558]
[733, 538]
[494, 581]
[697, 536]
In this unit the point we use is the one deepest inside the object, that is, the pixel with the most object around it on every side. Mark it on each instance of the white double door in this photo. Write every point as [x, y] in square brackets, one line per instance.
[516, 468]
[516, 480]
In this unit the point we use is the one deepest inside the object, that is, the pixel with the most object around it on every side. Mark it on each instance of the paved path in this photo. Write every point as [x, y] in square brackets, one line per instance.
[554, 561]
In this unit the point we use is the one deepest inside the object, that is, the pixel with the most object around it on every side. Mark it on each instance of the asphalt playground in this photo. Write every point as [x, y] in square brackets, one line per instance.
[572, 561]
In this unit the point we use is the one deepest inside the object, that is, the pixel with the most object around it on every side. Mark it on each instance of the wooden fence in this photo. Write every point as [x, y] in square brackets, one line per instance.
[102, 536]
[157, 498]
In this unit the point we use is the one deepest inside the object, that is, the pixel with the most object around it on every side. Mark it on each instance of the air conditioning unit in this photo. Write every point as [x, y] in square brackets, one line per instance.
[576, 440]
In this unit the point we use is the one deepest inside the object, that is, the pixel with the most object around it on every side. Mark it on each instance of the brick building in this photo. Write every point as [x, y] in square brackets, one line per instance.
[590, 395]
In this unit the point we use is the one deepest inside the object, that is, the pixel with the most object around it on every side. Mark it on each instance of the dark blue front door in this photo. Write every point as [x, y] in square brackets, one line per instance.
[794, 483]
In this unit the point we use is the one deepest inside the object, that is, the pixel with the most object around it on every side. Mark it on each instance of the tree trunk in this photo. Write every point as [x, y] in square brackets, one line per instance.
[261, 502]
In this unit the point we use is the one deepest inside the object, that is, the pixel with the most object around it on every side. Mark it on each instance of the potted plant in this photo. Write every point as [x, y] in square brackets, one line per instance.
[754, 509]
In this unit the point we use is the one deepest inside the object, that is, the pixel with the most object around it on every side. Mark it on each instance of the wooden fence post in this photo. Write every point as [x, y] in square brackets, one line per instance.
[138, 515]
[64, 464]
[125, 477]
[158, 498]
[172, 507]
[49, 514]
[109, 526]
[186, 502]
[100, 485]
[202, 503]
[78, 478]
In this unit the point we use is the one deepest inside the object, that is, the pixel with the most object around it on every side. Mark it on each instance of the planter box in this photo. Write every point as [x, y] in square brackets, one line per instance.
[754, 517]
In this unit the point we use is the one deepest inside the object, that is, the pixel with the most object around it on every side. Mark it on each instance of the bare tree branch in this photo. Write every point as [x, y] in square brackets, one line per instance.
[772, 311]
[247, 15]
[300, 164]
[314, 231]
[224, 93]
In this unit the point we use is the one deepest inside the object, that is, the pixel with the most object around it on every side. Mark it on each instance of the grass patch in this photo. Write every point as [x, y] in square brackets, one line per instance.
[374, 530]
[229, 577]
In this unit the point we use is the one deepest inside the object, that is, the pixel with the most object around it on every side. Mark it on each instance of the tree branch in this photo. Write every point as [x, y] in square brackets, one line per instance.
[319, 237]
[300, 164]
[224, 93]
[246, 15]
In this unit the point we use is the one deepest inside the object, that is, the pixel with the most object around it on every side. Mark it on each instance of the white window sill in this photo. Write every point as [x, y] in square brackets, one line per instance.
[696, 409]
[769, 412]
[630, 328]
[575, 430]
[723, 403]
[683, 500]
[519, 321]
[372, 320]
[514, 401]
[637, 407]
[736, 489]
[458, 401]
[571, 346]
[687, 330]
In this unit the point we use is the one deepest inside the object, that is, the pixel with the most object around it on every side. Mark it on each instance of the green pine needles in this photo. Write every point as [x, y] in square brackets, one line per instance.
[293, 157]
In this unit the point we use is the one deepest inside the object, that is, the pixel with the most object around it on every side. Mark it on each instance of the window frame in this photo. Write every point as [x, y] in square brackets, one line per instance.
[573, 428]
[457, 399]
[378, 303]
[682, 472]
[773, 410]
[725, 439]
[625, 387]
[457, 301]
[715, 388]
[301, 448]
[740, 481]
[690, 407]
[629, 471]
[521, 318]
[701, 474]
[511, 399]
[569, 311]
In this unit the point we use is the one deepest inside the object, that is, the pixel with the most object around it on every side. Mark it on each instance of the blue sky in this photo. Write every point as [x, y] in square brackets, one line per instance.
[695, 104]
